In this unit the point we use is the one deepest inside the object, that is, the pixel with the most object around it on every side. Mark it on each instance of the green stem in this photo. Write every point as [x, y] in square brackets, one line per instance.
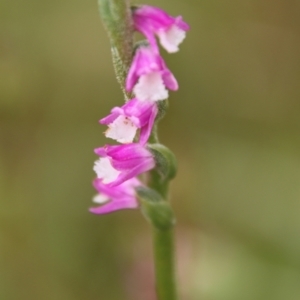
[155, 182]
[164, 264]
[116, 16]
[163, 243]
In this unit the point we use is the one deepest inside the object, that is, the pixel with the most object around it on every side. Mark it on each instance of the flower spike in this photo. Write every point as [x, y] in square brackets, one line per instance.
[151, 21]
[149, 76]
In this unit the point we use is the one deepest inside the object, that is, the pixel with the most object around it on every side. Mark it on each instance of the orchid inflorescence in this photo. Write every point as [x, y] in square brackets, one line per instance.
[132, 124]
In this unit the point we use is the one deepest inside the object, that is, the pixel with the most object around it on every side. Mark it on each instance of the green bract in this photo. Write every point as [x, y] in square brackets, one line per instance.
[166, 163]
[156, 210]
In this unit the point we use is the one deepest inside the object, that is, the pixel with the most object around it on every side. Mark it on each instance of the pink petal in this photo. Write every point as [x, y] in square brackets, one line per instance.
[147, 129]
[114, 206]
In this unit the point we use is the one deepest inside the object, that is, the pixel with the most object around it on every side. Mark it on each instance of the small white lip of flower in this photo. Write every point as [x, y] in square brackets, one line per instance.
[105, 170]
[100, 198]
[122, 130]
[171, 38]
[150, 87]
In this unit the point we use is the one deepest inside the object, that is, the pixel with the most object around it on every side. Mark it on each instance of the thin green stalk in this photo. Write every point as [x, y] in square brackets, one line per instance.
[116, 16]
[164, 264]
[155, 182]
[163, 248]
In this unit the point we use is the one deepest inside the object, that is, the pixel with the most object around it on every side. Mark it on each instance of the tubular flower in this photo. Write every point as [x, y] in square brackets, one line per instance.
[149, 76]
[122, 162]
[152, 21]
[115, 198]
[123, 122]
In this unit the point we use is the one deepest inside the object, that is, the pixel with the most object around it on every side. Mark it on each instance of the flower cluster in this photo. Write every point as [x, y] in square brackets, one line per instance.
[131, 125]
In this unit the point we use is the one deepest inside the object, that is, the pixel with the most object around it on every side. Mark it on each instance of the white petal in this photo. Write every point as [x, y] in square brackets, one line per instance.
[122, 130]
[100, 198]
[105, 170]
[150, 87]
[170, 39]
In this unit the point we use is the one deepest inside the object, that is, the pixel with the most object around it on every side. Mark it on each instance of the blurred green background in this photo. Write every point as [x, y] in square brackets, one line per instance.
[234, 126]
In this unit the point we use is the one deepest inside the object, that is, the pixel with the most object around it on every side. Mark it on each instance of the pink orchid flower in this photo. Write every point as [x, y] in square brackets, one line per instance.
[152, 21]
[149, 76]
[119, 163]
[123, 122]
[115, 198]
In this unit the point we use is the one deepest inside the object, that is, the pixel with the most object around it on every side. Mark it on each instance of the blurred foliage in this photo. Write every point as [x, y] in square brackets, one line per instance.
[234, 126]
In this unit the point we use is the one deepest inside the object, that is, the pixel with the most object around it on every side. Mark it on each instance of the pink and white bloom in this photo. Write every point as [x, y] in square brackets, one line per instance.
[152, 21]
[123, 122]
[119, 163]
[115, 198]
[149, 76]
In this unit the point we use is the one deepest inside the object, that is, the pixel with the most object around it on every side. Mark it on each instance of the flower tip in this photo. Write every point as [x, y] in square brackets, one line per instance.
[93, 210]
[100, 151]
[98, 210]
[181, 24]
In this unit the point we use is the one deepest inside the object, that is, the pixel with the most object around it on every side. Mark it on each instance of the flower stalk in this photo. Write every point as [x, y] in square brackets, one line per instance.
[117, 19]
[163, 247]
[145, 81]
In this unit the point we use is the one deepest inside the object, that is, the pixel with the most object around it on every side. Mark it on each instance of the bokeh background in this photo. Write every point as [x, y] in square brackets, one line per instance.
[234, 126]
